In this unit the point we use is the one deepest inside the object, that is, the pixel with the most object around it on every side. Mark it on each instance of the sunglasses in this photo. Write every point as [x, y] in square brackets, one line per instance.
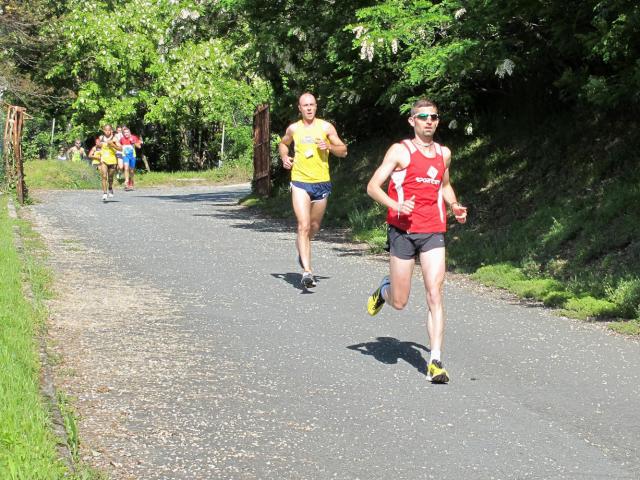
[425, 116]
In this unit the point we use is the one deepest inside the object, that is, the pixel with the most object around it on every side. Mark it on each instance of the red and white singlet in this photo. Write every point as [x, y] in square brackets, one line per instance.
[422, 178]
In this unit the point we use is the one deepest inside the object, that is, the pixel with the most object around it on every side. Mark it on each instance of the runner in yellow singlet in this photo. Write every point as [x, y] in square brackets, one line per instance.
[76, 153]
[314, 139]
[109, 145]
[94, 154]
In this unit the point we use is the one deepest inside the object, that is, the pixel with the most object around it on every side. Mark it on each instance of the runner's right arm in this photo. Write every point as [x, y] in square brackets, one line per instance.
[395, 158]
[283, 148]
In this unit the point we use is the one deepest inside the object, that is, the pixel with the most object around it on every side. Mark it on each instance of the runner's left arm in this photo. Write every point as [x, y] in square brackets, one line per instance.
[335, 146]
[448, 193]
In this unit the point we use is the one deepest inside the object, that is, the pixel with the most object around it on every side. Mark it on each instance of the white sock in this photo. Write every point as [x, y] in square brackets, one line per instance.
[383, 292]
[435, 355]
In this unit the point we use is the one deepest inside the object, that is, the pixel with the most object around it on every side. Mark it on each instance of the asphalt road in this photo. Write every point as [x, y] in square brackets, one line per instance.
[246, 376]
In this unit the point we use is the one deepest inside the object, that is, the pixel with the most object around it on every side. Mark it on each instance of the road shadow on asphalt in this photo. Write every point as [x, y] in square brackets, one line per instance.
[225, 199]
[250, 220]
[389, 350]
[295, 280]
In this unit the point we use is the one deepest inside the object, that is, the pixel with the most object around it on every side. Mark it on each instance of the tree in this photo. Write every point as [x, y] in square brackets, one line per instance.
[160, 71]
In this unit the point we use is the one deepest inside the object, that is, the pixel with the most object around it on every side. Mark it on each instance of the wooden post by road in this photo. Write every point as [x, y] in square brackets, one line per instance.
[261, 150]
[14, 169]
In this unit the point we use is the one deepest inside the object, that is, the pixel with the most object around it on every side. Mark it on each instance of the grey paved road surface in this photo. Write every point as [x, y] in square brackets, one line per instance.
[219, 367]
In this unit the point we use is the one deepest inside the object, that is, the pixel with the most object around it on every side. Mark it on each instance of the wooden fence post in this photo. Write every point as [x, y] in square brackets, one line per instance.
[262, 150]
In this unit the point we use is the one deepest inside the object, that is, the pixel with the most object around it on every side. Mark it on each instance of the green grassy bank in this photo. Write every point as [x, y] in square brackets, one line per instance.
[27, 442]
[59, 175]
[553, 216]
[27, 446]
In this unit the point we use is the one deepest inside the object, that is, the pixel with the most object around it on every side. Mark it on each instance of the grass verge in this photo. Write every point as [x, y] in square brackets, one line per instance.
[58, 175]
[229, 173]
[27, 446]
[557, 295]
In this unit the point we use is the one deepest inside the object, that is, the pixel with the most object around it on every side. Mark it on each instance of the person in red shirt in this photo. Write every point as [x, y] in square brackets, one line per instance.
[129, 144]
[418, 193]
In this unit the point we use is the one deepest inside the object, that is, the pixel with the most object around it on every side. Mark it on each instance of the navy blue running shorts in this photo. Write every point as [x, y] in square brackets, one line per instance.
[316, 191]
[408, 245]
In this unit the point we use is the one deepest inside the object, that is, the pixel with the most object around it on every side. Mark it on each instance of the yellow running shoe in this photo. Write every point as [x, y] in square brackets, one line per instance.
[436, 372]
[376, 300]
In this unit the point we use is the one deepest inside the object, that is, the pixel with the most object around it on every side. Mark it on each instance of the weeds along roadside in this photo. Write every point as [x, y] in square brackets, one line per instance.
[31, 440]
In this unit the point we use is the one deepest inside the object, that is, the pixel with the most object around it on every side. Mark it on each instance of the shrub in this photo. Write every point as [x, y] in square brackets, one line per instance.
[590, 307]
[626, 296]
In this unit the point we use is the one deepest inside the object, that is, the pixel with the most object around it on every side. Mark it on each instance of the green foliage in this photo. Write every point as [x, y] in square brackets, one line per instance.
[626, 296]
[70, 425]
[161, 72]
[551, 292]
[590, 308]
[500, 275]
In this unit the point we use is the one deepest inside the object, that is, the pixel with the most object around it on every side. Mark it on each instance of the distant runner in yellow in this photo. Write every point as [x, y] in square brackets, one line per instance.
[94, 154]
[314, 139]
[76, 153]
[109, 145]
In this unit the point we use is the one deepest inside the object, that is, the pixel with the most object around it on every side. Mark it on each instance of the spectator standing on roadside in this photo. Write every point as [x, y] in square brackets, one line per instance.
[76, 153]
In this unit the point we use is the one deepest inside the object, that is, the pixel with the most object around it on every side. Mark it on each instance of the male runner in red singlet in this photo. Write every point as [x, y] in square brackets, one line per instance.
[314, 139]
[418, 193]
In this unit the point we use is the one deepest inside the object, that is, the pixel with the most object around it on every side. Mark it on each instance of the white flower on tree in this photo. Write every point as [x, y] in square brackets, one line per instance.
[394, 46]
[359, 30]
[505, 68]
[366, 50]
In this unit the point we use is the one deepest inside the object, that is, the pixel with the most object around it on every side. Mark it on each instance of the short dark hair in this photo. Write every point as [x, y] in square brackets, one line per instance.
[422, 102]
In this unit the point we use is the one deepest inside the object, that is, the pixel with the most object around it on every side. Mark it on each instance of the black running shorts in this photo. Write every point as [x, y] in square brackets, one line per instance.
[408, 245]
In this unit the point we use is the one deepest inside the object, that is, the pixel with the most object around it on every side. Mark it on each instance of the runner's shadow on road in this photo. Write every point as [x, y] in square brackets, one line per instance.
[295, 279]
[389, 350]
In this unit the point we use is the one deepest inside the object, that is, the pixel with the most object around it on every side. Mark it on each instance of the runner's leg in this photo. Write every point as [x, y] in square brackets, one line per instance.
[401, 271]
[317, 214]
[433, 272]
[111, 171]
[126, 173]
[302, 209]
[103, 176]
